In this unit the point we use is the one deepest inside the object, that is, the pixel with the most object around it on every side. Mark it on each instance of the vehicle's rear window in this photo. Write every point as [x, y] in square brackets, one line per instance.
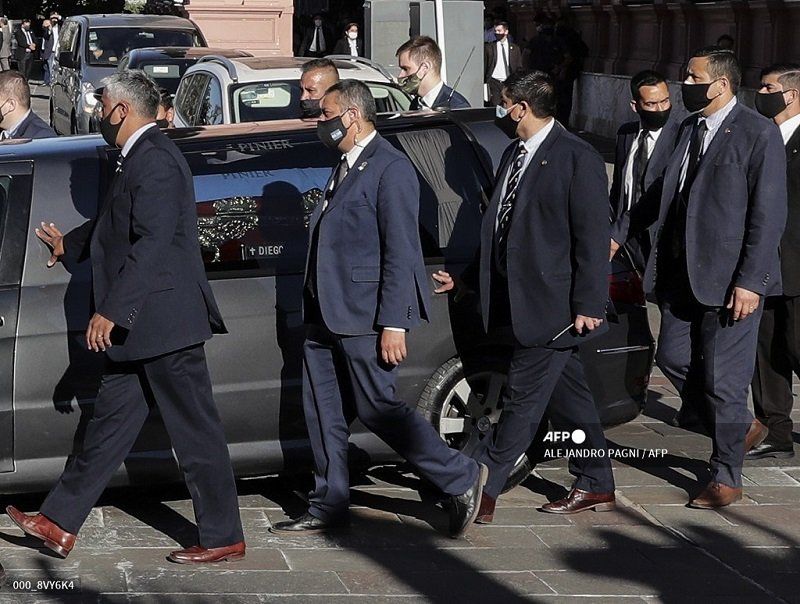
[107, 45]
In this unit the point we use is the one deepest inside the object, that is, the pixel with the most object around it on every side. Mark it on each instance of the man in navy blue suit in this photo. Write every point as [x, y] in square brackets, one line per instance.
[365, 286]
[420, 61]
[719, 212]
[17, 119]
[154, 310]
[543, 282]
[643, 149]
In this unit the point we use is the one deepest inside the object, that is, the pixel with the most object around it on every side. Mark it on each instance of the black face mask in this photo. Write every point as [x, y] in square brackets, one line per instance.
[653, 120]
[770, 104]
[695, 96]
[309, 108]
[331, 132]
[109, 130]
[3, 115]
[162, 123]
[505, 122]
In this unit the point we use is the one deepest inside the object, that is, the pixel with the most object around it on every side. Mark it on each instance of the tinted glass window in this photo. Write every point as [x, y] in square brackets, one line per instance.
[66, 39]
[254, 200]
[107, 45]
[210, 112]
[188, 97]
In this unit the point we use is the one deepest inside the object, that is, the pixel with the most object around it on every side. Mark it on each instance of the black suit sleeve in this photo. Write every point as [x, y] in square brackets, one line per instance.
[618, 179]
[589, 228]
[155, 212]
[76, 243]
[641, 216]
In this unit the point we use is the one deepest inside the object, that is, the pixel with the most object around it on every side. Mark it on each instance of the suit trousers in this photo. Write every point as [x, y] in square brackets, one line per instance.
[710, 361]
[495, 90]
[337, 366]
[5, 64]
[539, 379]
[179, 384]
[777, 359]
[25, 65]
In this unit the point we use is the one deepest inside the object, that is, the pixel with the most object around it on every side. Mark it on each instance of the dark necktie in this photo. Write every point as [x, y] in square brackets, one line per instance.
[506, 210]
[505, 59]
[640, 161]
[416, 104]
[695, 154]
[336, 179]
[320, 40]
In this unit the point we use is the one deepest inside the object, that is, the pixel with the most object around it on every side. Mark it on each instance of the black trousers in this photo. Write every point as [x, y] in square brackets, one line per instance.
[710, 361]
[777, 359]
[337, 366]
[540, 379]
[180, 385]
[495, 91]
[25, 65]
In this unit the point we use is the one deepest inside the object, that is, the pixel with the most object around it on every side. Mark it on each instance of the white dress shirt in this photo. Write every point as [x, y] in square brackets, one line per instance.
[499, 72]
[353, 46]
[789, 127]
[429, 99]
[531, 146]
[28, 38]
[713, 122]
[651, 141]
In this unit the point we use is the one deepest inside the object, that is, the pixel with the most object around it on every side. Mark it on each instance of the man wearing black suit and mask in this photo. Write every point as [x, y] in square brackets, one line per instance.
[317, 40]
[542, 256]
[420, 61]
[26, 48]
[154, 310]
[501, 59]
[17, 120]
[643, 149]
[778, 355]
[719, 213]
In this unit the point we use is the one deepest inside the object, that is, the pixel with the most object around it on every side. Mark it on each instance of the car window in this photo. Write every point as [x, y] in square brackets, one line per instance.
[388, 99]
[188, 96]
[15, 192]
[66, 39]
[266, 101]
[107, 45]
[210, 112]
[254, 200]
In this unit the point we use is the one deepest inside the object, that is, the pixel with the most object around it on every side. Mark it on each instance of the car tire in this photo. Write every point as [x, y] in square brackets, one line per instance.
[464, 424]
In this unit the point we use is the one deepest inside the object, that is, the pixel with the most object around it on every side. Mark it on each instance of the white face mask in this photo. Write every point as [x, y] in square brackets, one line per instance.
[353, 35]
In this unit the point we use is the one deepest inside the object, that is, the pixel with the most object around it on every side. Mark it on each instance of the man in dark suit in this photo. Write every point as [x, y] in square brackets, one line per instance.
[719, 215]
[542, 255]
[501, 59]
[643, 149]
[350, 43]
[48, 48]
[365, 287]
[317, 75]
[26, 47]
[778, 355]
[420, 62]
[153, 312]
[17, 120]
[317, 40]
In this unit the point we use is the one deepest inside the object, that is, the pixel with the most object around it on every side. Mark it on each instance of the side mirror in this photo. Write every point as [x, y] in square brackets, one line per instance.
[65, 59]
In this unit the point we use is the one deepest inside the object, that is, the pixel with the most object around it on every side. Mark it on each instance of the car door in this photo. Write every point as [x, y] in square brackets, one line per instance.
[15, 201]
[187, 99]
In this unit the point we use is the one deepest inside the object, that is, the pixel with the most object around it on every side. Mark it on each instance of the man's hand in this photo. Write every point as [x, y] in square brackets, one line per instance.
[589, 323]
[614, 247]
[54, 240]
[449, 283]
[98, 334]
[393, 346]
[743, 303]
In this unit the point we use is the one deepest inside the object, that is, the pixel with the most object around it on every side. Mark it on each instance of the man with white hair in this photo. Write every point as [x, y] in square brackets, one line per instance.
[153, 312]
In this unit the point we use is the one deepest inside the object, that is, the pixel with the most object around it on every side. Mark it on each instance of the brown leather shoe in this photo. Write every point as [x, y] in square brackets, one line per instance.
[579, 501]
[58, 540]
[486, 510]
[200, 555]
[756, 434]
[716, 495]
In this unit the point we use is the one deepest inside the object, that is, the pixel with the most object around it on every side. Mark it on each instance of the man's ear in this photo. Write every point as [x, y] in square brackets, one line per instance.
[633, 107]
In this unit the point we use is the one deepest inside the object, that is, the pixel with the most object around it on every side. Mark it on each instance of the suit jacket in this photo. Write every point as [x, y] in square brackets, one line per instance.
[308, 38]
[369, 266]
[490, 58]
[5, 42]
[22, 43]
[34, 127]
[450, 99]
[736, 209]
[790, 243]
[343, 46]
[48, 45]
[557, 241]
[147, 271]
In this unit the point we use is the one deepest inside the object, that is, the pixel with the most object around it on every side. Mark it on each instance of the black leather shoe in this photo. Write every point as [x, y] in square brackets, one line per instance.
[464, 508]
[307, 524]
[765, 450]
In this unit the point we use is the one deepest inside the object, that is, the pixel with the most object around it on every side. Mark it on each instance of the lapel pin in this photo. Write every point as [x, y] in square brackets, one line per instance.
[544, 162]
[362, 166]
[727, 130]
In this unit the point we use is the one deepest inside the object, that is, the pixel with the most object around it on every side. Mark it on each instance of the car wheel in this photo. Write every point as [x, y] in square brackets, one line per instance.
[464, 409]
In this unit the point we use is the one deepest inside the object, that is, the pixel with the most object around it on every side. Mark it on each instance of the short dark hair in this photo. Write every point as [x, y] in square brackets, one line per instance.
[788, 74]
[165, 98]
[722, 63]
[423, 48]
[535, 88]
[648, 77]
[726, 37]
[25, 21]
[503, 23]
[349, 25]
[320, 65]
[14, 85]
[353, 93]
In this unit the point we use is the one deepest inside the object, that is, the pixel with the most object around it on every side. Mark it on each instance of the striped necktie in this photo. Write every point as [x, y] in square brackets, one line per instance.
[507, 204]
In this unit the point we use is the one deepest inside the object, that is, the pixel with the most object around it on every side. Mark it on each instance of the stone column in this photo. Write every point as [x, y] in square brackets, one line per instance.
[262, 27]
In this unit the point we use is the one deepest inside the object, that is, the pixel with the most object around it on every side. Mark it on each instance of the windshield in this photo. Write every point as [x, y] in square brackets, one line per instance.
[107, 45]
